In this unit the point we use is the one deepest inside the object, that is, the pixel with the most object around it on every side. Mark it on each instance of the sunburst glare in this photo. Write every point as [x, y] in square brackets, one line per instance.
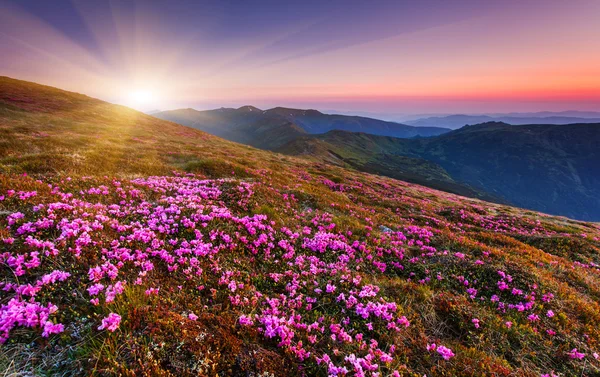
[141, 99]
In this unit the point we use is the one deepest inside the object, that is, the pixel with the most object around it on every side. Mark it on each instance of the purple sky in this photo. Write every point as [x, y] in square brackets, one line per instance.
[423, 56]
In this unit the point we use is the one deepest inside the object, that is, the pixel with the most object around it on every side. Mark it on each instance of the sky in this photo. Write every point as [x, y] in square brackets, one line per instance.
[401, 57]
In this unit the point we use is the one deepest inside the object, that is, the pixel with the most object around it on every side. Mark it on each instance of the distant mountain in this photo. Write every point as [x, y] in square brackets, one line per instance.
[550, 168]
[546, 114]
[315, 122]
[275, 127]
[460, 120]
[451, 121]
[152, 112]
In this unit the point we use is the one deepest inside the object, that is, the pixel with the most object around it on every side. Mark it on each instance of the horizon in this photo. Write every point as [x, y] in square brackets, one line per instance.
[397, 58]
[396, 117]
[391, 117]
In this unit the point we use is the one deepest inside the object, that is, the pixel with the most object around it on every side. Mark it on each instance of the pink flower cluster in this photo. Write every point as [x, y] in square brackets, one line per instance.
[311, 297]
[29, 314]
[110, 322]
[445, 352]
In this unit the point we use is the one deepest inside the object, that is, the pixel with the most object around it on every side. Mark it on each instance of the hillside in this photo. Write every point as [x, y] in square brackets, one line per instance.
[379, 155]
[275, 127]
[549, 168]
[135, 246]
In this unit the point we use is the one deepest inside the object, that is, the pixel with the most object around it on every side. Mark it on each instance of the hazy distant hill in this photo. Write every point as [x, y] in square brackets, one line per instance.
[546, 114]
[460, 120]
[272, 128]
[550, 168]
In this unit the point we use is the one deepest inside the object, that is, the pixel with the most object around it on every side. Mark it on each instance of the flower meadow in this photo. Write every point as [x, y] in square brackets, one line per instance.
[325, 297]
[131, 246]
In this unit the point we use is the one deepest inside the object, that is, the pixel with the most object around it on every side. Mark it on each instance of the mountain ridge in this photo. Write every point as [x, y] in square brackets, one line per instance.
[456, 121]
[238, 124]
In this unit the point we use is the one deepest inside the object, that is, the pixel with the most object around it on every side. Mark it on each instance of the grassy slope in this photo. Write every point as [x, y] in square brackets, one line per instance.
[51, 135]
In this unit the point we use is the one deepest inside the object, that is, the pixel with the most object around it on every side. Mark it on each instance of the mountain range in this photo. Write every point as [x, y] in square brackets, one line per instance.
[269, 129]
[545, 167]
[460, 120]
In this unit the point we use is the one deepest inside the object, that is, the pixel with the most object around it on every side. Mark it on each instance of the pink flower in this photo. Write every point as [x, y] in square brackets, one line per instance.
[475, 322]
[502, 285]
[533, 317]
[445, 352]
[403, 321]
[547, 297]
[508, 324]
[550, 314]
[192, 316]
[152, 291]
[111, 322]
[576, 355]
[246, 320]
[51, 328]
[95, 289]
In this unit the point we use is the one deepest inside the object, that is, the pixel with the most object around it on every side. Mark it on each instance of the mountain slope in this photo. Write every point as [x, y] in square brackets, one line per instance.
[551, 168]
[543, 167]
[252, 126]
[247, 125]
[315, 122]
[380, 155]
[135, 246]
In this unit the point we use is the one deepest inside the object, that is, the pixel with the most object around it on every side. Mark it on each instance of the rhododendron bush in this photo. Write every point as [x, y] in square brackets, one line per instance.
[335, 301]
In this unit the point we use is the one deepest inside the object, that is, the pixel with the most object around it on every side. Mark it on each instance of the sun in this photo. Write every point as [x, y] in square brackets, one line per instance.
[141, 99]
